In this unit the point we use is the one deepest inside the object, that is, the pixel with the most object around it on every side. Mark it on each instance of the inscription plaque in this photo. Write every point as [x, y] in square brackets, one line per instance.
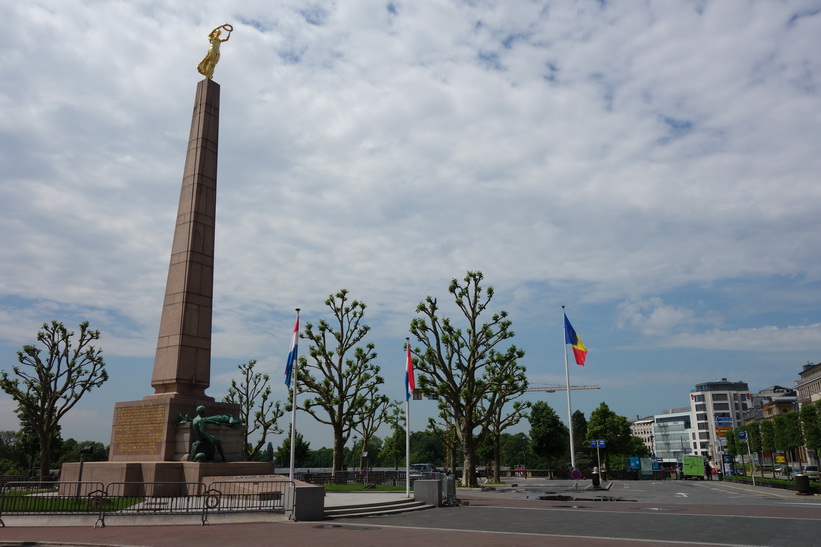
[138, 429]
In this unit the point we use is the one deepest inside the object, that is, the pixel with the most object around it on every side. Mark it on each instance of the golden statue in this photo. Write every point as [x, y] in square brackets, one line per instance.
[206, 66]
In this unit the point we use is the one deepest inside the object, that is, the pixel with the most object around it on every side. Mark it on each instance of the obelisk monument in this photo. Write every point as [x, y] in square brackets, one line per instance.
[149, 441]
[182, 365]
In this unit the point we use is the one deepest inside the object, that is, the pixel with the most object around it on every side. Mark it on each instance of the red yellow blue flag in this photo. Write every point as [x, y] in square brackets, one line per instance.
[570, 337]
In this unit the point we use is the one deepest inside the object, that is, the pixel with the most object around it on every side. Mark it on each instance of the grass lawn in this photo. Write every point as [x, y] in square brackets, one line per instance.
[25, 502]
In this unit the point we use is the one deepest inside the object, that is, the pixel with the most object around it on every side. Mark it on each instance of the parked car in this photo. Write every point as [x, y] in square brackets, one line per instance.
[811, 471]
[418, 470]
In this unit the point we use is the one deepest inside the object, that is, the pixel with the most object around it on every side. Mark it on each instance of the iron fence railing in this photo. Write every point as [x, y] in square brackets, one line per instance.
[142, 498]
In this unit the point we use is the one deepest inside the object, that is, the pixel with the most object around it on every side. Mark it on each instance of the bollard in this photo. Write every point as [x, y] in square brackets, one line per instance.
[802, 485]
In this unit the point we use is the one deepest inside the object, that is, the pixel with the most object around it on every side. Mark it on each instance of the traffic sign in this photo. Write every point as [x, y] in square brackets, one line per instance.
[597, 443]
[742, 434]
[723, 420]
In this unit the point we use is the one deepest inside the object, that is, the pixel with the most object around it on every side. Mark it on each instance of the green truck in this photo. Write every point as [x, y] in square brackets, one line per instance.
[693, 467]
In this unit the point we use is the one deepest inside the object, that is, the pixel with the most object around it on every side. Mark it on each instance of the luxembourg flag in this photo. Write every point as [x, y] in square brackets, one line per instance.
[289, 366]
[410, 382]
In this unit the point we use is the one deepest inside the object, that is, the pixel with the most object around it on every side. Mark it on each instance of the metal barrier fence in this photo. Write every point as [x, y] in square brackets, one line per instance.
[142, 498]
[242, 496]
[322, 478]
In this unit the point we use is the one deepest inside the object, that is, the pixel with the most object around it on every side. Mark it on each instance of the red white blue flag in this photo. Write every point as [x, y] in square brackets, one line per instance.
[410, 382]
[292, 353]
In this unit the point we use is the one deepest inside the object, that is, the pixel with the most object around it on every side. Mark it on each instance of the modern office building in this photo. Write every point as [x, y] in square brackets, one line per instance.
[716, 407]
[673, 434]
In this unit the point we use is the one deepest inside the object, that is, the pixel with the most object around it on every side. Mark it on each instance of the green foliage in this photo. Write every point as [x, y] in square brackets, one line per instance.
[614, 429]
[322, 457]
[341, 376]
[516, 450]
[393, 447]
[46, 387]
[579, 430]
[71, 452]
[549, 437]
[811, 423]
[754, 436]
[465, 366]
[253, 389]
[733, 446]
[301, 451]
[788, 435]
[636, 447]
[427, 447]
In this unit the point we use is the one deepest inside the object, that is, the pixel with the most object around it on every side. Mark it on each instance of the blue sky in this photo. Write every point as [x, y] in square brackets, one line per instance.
[651, 165]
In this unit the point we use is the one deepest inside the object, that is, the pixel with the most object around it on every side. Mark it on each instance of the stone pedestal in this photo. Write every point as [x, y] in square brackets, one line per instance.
[428, 491]
[175, 474]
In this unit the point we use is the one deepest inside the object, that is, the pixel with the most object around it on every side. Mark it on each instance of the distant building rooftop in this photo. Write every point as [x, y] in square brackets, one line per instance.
[723, 385]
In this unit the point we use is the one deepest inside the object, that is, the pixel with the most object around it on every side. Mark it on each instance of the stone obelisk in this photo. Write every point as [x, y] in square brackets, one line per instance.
[182, 366]
[147, 430]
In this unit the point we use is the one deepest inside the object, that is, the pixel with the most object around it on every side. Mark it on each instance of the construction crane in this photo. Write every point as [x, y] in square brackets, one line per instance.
[554, 389]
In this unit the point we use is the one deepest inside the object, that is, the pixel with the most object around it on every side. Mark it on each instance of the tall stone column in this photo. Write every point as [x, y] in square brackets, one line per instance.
[182, 365]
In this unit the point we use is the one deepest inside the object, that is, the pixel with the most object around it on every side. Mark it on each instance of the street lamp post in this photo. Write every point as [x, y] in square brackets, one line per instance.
[355, 438]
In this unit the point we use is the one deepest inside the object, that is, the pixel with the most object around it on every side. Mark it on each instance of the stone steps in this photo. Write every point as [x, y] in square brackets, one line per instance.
[374, 509]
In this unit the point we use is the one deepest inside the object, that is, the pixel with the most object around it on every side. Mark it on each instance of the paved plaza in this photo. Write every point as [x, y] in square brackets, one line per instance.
[533, 512]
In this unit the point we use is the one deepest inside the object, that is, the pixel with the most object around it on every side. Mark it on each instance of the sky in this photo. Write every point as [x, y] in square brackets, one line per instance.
[651, 165]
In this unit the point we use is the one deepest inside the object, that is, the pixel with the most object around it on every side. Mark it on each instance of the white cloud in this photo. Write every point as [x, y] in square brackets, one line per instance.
[608, 154]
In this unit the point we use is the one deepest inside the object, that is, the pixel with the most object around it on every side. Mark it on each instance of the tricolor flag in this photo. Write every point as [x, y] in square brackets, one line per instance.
[410, 382]
[289, 366]
[570, 337]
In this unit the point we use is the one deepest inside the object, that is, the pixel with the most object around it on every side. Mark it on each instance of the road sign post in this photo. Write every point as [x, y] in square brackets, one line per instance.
[597, 444]
[742, 436]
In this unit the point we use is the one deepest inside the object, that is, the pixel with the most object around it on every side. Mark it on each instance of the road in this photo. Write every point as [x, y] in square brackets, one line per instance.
[534, 512]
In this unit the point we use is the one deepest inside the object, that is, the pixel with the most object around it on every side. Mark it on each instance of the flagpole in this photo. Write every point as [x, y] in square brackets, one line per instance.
[293, 407]
[407, 428]
[567, 378]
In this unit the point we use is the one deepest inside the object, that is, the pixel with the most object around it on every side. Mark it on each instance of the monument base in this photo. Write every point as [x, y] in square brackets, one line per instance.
[137, 473]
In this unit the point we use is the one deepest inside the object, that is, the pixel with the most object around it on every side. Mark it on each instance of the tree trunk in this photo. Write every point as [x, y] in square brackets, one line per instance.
[339, 446]
[497, 452]
[45, 452]
[469, 459]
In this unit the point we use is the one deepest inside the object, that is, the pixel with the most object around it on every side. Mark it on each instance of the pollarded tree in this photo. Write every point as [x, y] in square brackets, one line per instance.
[341, 371]
[811, 425]
[252, 388]
[377, 410]
[46, 389]
[548, 435]
[788, 435]
[733, 446]
[464, 366]
[767, 429]
[501, 415]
